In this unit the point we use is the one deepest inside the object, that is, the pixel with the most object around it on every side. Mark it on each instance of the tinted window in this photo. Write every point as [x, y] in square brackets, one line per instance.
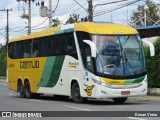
[20, 49]
[85, 50]
[63, 44]
[70, 46]
[27, 45]
[10, 50]
[56, 45]
[40, 47]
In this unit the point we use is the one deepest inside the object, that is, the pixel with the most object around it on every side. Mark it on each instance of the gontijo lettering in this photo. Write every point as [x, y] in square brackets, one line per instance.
[29, 64]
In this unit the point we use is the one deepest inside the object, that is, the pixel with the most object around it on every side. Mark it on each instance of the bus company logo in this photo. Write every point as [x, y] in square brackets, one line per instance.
[29, 64]
[11, 65]
[89, 90]
[114, 82]
[73, 63]
[6, 114]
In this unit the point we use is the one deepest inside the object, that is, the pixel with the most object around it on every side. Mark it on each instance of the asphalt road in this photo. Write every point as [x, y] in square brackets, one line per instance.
[10, 101]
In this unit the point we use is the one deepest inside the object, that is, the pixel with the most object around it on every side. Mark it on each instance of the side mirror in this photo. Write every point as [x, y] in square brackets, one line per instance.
[92, 46]
[151, 47]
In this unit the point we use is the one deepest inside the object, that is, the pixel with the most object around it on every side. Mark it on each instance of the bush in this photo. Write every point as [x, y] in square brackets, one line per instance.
[153, 66]
[3, 61]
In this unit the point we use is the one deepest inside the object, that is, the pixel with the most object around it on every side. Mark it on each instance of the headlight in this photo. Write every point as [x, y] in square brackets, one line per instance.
[145, 80]
[96, 81]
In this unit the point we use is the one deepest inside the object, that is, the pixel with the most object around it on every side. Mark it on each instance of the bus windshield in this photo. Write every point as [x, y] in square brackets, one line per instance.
[119, 55]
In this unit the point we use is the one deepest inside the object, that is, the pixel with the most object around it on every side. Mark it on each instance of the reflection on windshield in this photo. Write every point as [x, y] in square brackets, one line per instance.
[119, 55]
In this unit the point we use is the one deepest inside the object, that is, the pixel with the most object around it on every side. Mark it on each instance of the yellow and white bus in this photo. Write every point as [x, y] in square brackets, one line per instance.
[81, 60]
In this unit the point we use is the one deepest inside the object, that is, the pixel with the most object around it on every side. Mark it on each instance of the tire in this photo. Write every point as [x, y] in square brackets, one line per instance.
[36, 95]
[28, 92]
[75, 92]
[21, 90]
[119, 100]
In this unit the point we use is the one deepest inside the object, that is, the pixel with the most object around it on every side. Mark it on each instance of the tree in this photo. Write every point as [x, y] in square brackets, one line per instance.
[72, 19]
[55, 22]
[3, 61]
[151, 12]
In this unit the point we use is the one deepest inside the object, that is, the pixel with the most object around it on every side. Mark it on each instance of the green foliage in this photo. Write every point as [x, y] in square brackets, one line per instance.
[55, 22]
[72, 19]
[153, 66]
[151, 13]
[3, 61]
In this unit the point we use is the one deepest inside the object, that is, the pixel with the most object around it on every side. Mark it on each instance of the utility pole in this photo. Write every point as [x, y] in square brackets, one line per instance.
[29, 14]
[50, 13]
[7, 27]
[90, 10]
[145, 15]
[29, 17]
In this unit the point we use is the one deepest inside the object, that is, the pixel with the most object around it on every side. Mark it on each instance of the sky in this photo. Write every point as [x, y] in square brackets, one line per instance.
[17, 25]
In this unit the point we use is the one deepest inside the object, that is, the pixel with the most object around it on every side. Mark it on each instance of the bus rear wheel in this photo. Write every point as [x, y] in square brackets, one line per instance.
[75, 92]
[119, 100]
[28, 92]
[21, 89]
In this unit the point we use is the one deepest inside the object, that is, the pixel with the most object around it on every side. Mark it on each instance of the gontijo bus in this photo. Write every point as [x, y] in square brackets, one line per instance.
[81, 60]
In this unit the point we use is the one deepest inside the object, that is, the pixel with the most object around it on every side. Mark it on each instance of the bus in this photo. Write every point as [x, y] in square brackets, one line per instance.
[81, 61]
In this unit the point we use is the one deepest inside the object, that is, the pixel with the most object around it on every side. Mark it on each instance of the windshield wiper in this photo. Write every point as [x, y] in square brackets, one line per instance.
[125, 58]
[125, 40]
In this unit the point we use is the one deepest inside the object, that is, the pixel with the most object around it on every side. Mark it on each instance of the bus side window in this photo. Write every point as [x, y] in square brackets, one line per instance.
[18, 50]
[11, 50]
[85, 50]
[87, 58]
[15, 50]
[70, 46]
[36, 48]
[44, 47]
[27, 48]
[57, 45]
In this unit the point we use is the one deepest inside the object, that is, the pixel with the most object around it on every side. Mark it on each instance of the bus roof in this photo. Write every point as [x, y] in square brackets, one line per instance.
[90, 27]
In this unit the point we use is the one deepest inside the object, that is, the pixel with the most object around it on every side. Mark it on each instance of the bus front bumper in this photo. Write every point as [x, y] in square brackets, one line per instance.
[127, 91]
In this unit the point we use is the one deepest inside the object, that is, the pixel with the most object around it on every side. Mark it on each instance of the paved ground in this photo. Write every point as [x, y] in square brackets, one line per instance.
[10, 101]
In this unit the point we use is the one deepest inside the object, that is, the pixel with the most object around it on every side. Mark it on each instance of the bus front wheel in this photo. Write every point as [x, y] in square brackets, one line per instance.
[75, 92]
[120, 100]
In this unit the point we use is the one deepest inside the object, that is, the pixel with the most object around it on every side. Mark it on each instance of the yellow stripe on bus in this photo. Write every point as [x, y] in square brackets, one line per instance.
[114, 82]
[72, 66]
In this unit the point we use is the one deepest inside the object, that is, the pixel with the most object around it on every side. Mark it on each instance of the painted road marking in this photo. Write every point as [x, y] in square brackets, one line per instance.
[77, 108]
[35, 100]
[11, 94]
[134, 118]
[3, 83]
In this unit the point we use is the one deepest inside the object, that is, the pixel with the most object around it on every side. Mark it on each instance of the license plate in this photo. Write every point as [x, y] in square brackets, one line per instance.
[125, 93]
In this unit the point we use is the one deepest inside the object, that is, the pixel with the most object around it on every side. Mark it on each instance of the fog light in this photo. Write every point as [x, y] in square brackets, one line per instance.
[144, 81]
[104, 92]
[144, 90]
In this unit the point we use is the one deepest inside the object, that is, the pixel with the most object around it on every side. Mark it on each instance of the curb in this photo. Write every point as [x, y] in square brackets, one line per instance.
[154, 91]
[3, 80]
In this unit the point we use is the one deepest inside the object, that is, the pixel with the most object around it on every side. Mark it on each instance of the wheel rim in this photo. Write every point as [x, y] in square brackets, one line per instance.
[27, 90]
[77, 92]
[21, 90]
